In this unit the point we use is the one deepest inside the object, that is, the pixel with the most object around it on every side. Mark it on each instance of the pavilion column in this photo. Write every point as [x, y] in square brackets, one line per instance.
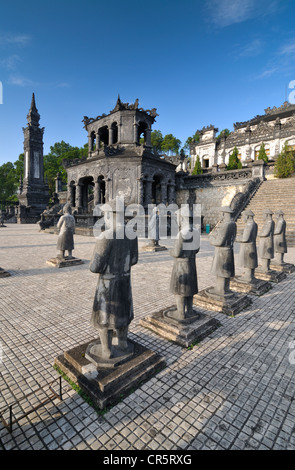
[97, 140]
[140, 191]
[111, 136]
[163, 193]
[97, 193]
[71, 195]
[136, 140]
[79, 196]
[148, 192]
[148, 142]
[90, 143]
[171, 193]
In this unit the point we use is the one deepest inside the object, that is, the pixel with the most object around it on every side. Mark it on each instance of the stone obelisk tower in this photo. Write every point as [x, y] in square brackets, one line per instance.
[34, 194]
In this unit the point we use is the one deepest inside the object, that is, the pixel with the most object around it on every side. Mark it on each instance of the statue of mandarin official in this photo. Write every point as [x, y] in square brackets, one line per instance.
[280, 242]
[184, 282]
[112, 259]
[248, 251]
[223, 237]
[266, 245]
[66, 228]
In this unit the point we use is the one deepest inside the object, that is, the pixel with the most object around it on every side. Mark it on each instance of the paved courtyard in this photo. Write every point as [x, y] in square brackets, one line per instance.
[234, 390]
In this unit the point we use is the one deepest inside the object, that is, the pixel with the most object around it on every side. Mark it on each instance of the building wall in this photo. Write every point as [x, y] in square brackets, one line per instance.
[211, 198]
[273, 131]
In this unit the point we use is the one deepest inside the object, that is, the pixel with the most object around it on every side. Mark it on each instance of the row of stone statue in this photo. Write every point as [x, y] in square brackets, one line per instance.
[272, 243]
[114, 257]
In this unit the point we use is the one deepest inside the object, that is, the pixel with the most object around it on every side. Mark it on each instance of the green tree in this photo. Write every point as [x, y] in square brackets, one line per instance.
[234, 162]
[285, 163]
[262, 153]
[170, 144]
[53, 161]
[8, 183]
[189, 140]
[198, 167]
[226, 132]
[19, 167]
[156, 140]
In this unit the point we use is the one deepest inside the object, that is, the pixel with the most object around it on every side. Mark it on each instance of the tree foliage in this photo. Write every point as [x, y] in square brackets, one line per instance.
[8, 182]
[190, 140]
[234, 162]
[226, 132]
[198, 170]
[171, 144]
[262, 153]
[53, 161]
[285, 163]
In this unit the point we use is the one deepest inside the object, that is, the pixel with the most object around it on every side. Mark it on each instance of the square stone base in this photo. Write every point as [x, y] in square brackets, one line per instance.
[154, 248]
[4, 273]
[271, 275]
[256, 287]
[183, 332]
[229, 305]
[285, 267]
[63, 262]
[105, 386]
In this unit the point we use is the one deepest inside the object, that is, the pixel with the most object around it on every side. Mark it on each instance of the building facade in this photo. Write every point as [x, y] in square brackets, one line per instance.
[274, 128]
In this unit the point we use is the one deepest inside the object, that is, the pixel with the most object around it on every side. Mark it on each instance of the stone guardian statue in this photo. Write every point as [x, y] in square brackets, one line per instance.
[280, 243]
[184, 282]
[112, 259]
[66, 228]
[266, 246]
[248, 251]
[223, 237]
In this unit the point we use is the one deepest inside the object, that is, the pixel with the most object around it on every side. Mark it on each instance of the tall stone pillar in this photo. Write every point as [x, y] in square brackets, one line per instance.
[97, 193]
[111, 136]
[163, 193]
[171, 193]
[79, 196]
[97, 140]
[135, 130]
[148, 142]
[140, 192]
[90, 143]
[148, 192]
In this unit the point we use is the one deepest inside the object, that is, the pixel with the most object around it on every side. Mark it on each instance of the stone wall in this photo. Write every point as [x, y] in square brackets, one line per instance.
[212, 191]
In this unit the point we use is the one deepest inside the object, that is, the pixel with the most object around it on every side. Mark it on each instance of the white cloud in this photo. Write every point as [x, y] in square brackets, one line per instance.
[288, 49]
[14, 39]
[251, 49]
[20, 81]
[224, 13]
[267, 73]
[10, 63]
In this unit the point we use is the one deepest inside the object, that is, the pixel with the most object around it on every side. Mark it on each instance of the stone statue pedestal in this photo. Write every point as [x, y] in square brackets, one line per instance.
[183, 332]
[154, 247]
[230, 303]
[64, 262]
[254, 287]
[106, 385]
[94, 354]
[283, 267]
[271, 275]
[4, 273]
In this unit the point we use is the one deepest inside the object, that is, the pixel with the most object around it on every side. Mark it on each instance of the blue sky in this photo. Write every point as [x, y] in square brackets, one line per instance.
[198, 62]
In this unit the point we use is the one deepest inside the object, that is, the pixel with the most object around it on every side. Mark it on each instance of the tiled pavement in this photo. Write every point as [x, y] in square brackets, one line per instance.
[235, 390]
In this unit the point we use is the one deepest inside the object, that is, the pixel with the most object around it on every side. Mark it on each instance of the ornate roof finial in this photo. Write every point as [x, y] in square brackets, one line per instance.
[33, 116]
[33, 103]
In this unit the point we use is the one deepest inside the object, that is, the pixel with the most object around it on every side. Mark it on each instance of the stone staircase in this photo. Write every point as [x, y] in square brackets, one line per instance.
[274, 194]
